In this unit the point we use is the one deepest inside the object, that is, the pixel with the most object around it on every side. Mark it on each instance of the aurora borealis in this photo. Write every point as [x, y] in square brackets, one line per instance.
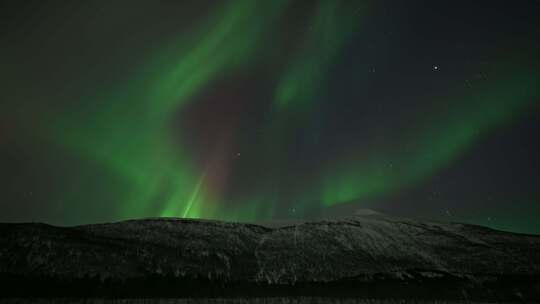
[261, 110]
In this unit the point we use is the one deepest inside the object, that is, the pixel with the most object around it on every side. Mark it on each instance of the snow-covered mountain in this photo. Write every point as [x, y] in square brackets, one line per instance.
[367, 253]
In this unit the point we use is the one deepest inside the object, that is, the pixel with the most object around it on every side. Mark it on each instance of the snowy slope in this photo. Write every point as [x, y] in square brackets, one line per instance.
[363, 247]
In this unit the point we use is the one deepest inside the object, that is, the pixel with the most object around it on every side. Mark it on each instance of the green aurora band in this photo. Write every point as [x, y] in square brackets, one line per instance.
[432, 144]
[137, 148]
[125, 131]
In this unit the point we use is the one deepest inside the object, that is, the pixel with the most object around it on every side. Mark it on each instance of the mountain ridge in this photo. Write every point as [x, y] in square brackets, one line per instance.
[347, 255]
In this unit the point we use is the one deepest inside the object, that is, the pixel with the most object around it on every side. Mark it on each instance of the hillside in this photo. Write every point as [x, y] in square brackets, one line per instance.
[365, 255]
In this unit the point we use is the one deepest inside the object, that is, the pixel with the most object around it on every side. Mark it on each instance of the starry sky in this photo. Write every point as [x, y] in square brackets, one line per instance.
[262, 110]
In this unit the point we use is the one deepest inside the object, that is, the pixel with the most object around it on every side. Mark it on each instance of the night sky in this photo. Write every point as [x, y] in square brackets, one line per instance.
[263, 110]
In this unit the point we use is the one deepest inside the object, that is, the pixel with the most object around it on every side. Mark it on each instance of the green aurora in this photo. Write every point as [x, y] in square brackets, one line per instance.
[124, 129]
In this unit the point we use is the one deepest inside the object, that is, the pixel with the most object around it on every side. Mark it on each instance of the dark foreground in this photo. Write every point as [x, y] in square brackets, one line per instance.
[367, 258]
[300, 300]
